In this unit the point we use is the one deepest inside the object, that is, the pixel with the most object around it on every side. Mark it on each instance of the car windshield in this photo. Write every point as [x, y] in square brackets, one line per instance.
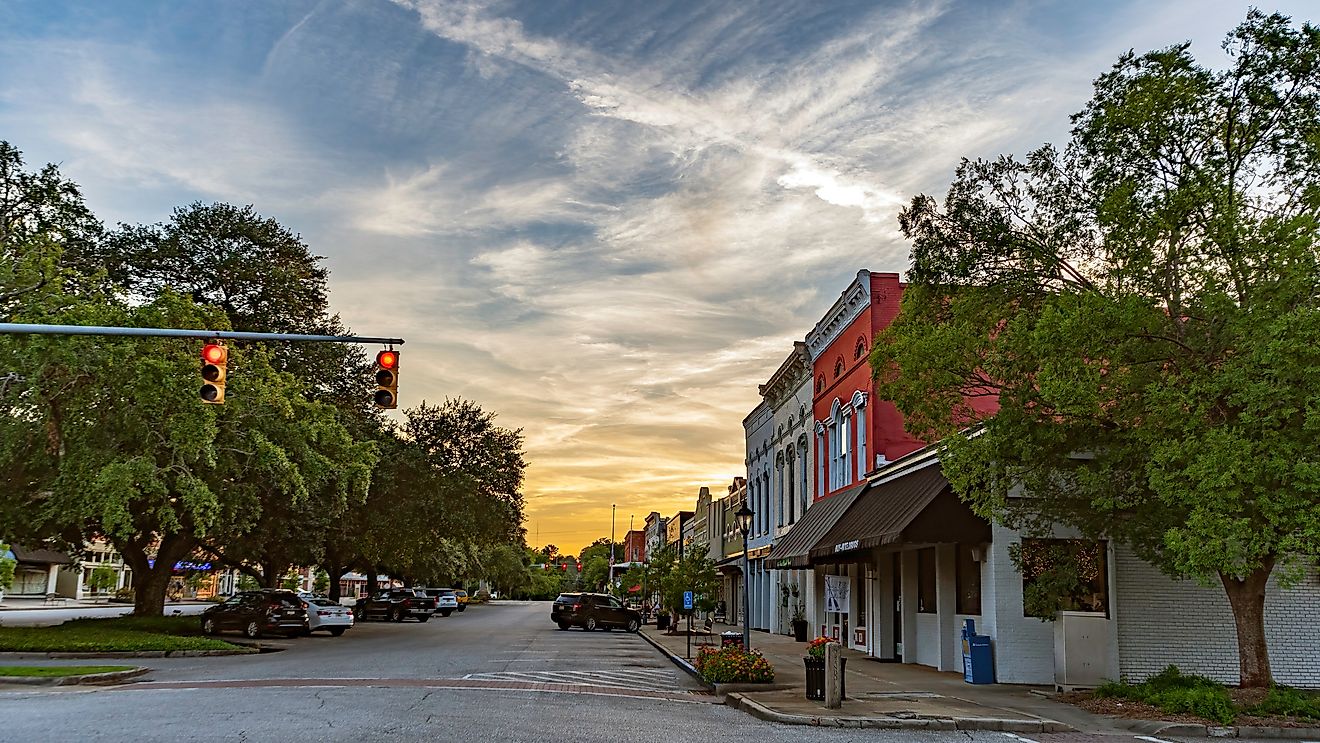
[566, 598]
[321, 602]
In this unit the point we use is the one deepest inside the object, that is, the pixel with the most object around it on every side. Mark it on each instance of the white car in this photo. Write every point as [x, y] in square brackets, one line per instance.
[446, 601]
[322, 613]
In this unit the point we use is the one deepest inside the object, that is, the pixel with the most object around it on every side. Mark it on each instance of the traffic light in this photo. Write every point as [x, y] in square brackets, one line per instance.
[387, 380]
[215, 363]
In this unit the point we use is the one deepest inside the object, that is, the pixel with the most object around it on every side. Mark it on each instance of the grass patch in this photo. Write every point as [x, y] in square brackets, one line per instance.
[52, 671]
[118, 634]
[1176, 693]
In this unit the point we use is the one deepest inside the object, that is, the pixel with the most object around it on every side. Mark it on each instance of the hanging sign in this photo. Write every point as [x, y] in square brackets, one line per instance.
[836, 594]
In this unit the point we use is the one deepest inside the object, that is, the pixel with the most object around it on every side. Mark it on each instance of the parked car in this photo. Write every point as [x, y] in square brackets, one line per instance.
[255, 613]
[462, 598]
[395, 605]
[445, 600]
[324, 614]
[592, 611]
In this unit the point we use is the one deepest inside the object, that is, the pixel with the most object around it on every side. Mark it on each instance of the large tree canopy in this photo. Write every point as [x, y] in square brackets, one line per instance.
[1144, 303]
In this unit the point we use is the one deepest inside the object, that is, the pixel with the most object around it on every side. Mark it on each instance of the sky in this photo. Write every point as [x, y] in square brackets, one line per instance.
[606, 222]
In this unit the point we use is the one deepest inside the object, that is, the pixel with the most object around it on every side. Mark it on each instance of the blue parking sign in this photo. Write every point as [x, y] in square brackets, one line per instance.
[687, 600]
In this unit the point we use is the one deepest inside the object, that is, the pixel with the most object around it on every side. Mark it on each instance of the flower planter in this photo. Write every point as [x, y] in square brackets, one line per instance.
[816, 677]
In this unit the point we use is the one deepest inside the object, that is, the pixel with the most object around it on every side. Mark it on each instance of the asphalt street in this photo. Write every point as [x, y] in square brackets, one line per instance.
[499, 672]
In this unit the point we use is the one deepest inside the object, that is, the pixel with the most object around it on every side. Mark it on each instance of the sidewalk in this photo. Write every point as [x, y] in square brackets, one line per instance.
[30, 603]
[892, 694]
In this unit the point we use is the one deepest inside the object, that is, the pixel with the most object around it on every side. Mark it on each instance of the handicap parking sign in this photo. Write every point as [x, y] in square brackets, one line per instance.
[687, 599]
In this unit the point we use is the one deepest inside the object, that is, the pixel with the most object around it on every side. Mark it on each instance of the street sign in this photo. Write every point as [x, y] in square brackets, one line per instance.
[687, 600]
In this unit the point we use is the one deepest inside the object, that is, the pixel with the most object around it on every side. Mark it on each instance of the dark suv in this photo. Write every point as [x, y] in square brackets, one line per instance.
[395, 605]
[592, 611]
[255, 613]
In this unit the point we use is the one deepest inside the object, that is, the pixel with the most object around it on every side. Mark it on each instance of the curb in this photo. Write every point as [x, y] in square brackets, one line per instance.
[1191, 730]
[109, 677]
[91, 654]
[758, 710]
[680, 662]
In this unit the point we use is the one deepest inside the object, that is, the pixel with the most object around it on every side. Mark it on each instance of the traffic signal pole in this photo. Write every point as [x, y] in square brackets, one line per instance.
[18, 328]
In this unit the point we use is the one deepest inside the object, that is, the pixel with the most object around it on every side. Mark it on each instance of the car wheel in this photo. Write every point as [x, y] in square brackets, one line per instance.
[462, 607]
[337, 631]
[446, 612]
[253, 630]
[563, 625]
[208, 626]
[590, 626]
[423, 617]
[396, 615]
[633, 625]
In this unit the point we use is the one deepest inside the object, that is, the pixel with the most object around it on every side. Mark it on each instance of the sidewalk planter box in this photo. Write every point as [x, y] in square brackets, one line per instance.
[816, 677]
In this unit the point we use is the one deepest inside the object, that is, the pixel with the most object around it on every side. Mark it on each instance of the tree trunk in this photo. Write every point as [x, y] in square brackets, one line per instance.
[270, 575]
[151, 581]
[372, 584]
[334, 571]
[1247, 597]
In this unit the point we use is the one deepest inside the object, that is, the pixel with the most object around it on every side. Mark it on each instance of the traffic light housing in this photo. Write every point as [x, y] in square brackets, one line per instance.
[215, 371]
[387, 380]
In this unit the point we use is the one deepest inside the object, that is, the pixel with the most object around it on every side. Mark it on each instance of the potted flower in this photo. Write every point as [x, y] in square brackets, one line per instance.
[815, 664]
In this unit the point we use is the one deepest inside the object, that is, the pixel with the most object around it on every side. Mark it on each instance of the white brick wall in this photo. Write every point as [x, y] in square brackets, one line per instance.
[1162, 621]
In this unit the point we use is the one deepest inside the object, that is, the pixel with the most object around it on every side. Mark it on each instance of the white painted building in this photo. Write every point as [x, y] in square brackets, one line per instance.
[925, 563]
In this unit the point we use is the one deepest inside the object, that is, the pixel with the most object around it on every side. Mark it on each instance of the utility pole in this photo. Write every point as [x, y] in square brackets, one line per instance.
[611, 588]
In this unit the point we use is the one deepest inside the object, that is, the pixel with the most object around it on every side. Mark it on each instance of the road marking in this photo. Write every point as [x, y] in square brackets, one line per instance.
[1149, 739]
[455, 684]
[1019, 737]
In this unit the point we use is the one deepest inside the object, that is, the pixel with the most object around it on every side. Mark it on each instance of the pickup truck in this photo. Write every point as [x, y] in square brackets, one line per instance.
[395, 605]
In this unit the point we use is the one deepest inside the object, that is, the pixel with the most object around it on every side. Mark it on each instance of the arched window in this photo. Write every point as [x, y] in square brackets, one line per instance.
[860, 350]
[838, 368]
[820, 384]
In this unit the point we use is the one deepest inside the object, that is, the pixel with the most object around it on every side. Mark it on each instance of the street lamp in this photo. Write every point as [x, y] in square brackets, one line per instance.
[743, 518]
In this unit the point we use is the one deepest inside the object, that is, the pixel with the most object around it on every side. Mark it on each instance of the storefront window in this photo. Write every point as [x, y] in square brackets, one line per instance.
[1062, 575]
[969, 582]
[926, 581]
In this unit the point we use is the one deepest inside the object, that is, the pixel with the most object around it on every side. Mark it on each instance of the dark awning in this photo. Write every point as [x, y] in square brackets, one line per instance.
[916, 508]
[39, 556]
[791, 551]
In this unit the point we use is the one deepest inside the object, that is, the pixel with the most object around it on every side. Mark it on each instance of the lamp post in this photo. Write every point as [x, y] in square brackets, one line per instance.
[743, 518]
[610, 589]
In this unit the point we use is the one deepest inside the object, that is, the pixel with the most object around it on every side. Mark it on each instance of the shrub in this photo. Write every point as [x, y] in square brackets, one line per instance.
[733, 665]
[1288, 702]
[1177, 693]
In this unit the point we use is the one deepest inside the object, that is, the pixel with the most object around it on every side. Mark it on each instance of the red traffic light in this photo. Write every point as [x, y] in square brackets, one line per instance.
[214, 354]
[387, 359]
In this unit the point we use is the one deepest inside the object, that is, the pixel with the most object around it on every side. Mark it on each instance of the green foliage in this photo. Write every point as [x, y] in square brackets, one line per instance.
[696, 573]
[121, 634]
[1177, 693]
[816, 648]
[7, 567]
[247, 583]
[733, 665]
[1142, 304]
[291, 581]
[1057, 574]
[1287, 702]
[321, 583]
[103, 578]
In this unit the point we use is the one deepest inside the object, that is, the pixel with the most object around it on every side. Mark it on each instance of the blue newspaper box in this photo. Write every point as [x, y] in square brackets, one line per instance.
[978, 663]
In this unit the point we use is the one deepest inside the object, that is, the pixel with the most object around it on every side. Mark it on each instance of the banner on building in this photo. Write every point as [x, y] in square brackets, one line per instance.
[836, 594]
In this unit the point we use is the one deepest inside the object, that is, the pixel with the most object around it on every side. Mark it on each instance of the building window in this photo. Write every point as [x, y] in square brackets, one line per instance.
[969, 581]
[860, 349]
[820, 384]
[926, 581]
[1062, 575]
[838, 368]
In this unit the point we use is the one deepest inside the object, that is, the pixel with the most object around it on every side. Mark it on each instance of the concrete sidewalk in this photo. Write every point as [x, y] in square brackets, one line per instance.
[891, 695]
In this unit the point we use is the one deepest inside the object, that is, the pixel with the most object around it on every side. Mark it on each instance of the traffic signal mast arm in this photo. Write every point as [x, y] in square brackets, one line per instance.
[235, 335]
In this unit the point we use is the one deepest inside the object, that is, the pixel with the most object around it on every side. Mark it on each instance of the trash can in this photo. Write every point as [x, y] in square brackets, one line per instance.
[978, 662]
[816, 677]
[730, 638]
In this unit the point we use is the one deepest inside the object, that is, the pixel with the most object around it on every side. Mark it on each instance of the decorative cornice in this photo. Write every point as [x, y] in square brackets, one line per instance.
[788, 377]
[848, 307]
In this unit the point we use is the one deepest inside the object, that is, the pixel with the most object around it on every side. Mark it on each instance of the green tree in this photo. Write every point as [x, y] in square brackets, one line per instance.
[102, 578]
[7, 567]
[321, 583]
[1143, 304]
